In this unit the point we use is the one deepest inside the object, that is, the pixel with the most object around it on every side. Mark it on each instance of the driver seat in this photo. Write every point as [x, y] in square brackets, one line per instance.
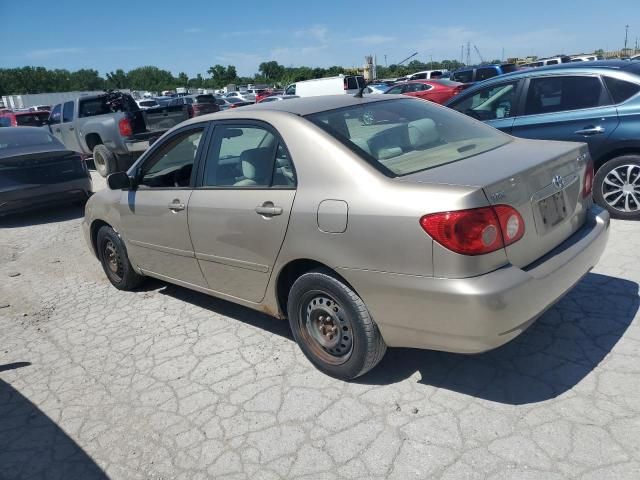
[256, 167]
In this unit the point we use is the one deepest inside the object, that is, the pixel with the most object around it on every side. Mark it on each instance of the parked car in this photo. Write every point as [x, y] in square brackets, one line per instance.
[23, 119]
[483, 72]
[593, 102]
[146, 103]
[37, 170]
[435, 231]
[268, 93]
[197, 104]
[277, 98]
[342, 84]
[111, 127]
[376, 88]
[242, 96]
[427, 75]
[231, 102]
[437, 91]
[544, 62]
[583, 58]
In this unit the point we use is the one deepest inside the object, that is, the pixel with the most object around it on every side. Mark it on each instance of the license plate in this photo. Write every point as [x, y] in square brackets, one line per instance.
[553, 209]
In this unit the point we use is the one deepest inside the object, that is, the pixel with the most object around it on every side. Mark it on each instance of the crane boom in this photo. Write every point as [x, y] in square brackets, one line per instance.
[479, 54]
[408, 58]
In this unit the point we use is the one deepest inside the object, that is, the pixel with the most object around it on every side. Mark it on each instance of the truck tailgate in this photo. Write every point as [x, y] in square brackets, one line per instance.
[163, 118]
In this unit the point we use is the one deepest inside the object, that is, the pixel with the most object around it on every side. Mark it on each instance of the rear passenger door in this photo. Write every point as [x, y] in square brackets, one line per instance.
[239, 210]
[575, 108]
[68, 131]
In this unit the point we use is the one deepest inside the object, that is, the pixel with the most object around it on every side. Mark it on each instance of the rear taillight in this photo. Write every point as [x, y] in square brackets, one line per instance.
[475, 231]
[587, 186]
[124, 125]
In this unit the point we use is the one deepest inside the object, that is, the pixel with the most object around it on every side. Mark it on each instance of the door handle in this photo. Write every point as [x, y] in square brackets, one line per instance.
[590, 131]
[71, 129]
[268, 209]
[176, 206]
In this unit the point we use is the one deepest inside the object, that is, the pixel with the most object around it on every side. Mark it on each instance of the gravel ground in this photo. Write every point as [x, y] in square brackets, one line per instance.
[168, 383]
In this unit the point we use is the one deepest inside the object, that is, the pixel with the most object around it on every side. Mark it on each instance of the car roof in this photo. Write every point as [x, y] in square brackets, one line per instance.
[309, 105]
[599, 65]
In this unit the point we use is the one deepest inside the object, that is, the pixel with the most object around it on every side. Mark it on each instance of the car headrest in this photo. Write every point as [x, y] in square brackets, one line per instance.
[422, 132]
[256, 164]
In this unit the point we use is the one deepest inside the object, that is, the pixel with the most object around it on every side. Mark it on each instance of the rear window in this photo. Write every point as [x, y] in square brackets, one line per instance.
[93, 107]
[32, 119]
[621, 90]
[402, 137]
[148, 103]
[205, 99]
[484, 73]
[465, 76]
[509, 67]
[352, 83]
[25, 138]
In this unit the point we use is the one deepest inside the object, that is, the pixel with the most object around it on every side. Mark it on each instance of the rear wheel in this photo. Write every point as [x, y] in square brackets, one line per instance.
[617, 187]
[115, 262]
[104, 160]
[333, 327]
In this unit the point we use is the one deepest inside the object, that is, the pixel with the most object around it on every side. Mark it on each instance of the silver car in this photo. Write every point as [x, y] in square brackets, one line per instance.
[424, 229]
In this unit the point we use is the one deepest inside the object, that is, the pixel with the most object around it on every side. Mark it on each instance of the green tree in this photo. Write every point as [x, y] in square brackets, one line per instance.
[183, 79]
[271, 71]
[117, 79]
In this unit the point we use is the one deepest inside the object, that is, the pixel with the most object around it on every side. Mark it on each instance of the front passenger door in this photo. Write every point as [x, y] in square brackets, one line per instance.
[239, 212]
[154, 215]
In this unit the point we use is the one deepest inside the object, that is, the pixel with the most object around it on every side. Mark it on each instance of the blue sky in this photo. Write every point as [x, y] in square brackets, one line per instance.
[75, 34]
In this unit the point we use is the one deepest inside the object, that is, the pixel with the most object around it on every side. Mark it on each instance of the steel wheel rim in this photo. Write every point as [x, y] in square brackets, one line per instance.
[112, 260]
[621, 188]
[368, 118]
[326, 328]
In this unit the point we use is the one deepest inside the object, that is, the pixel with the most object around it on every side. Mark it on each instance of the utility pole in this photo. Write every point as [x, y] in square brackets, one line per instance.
[468, 53]
[431, 57]
[502, 59]
[461, 53]
[385, 61]
[626, 34]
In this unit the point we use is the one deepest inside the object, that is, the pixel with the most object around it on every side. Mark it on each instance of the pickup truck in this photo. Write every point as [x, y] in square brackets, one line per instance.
[111, 127]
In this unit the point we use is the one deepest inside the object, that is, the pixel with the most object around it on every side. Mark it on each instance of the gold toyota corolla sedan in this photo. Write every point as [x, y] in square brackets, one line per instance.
[421, 228]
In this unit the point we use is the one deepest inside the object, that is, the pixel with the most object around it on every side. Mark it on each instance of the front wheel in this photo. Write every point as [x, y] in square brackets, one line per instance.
[333, 327]
[617, 187]
[115, 262]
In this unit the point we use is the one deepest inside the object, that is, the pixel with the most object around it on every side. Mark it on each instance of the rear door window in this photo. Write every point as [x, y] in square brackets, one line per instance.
[67, 112]
[557, 94]
[621, 90]
[465, 76]
[352, 83]
[93, 107]
[484, 73]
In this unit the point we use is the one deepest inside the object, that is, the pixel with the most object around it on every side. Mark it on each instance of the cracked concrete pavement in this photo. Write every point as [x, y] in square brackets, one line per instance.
[166, 383]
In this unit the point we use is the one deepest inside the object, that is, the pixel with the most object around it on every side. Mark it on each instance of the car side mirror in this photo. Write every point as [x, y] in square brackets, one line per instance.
[120, 181]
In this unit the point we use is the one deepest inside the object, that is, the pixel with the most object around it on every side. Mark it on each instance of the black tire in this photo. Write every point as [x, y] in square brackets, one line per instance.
[115, 262]
[627, 196]
[104, 160]
[317, 295]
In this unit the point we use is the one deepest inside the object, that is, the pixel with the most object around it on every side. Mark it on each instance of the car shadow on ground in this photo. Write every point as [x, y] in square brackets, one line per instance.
[52, 214]
[33, 446]
[221, 307]
[551, 357]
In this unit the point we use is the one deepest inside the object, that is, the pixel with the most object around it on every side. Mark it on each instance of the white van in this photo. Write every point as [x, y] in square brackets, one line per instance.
[350, 84]
[427, 75]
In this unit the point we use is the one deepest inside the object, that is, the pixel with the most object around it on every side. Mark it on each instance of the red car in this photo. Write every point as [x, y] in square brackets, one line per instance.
[23, 119]
[268, 93]
[437, 91]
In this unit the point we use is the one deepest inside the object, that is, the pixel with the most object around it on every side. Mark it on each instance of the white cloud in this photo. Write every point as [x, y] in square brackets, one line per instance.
[192, 30]
[317, 32]
[369, 40]
[53, 52]
[247, 33]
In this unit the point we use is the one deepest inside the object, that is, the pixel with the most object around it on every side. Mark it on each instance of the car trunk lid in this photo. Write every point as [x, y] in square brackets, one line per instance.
[40, 167]
[543, 181]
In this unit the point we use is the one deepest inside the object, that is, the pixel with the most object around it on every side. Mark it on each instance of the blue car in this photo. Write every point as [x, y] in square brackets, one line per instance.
[482, 72]
[593, 102]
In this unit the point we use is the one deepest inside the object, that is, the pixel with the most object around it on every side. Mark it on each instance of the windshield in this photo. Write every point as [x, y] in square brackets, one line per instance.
[205, 99]
[25, 137]
[400, 137]
[148, 103]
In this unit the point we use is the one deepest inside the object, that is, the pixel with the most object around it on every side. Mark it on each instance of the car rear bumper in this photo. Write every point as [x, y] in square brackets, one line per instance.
[34, 196]
[472, 315]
